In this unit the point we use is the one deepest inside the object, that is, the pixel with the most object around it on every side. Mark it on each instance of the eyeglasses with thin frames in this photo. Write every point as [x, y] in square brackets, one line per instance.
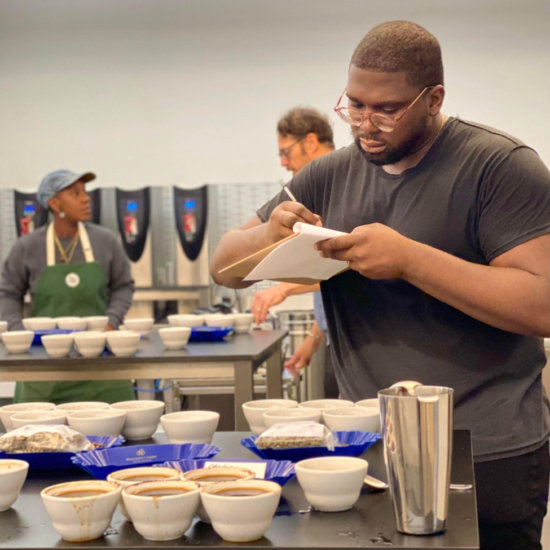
[286, 150]
[386, 123]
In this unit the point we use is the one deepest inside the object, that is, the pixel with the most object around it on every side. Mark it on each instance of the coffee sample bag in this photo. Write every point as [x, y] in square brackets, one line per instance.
[291, 435]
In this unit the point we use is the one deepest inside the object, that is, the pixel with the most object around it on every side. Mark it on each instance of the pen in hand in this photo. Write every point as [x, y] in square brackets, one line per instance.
[293, 198]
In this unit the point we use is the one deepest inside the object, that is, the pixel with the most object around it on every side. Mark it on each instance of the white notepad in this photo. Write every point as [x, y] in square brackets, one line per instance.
[291, 260]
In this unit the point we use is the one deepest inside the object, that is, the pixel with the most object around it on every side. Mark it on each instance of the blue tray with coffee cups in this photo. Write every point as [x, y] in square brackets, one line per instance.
[279, 471]
[101, 463]
[348, 444]
[62, 460]
[209, 334]
[37, 340]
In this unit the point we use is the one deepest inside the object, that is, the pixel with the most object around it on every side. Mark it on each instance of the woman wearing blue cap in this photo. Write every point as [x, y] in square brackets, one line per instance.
[71, 267]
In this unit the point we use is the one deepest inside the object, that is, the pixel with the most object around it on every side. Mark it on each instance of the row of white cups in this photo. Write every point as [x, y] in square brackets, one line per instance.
[161, 502]
[138, 420]
[134, 420]
[163, 506]
[90, 341]
[337, 414]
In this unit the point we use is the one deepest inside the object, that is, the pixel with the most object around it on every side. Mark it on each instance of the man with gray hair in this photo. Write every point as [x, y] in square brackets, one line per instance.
[449, 279]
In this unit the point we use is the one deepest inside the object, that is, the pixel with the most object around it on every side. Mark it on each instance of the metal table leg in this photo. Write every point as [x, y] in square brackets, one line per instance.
[146, 385]
[244, 391]
[274, 368]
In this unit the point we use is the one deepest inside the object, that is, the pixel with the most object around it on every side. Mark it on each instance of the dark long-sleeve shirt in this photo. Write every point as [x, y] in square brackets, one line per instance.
[27, 261]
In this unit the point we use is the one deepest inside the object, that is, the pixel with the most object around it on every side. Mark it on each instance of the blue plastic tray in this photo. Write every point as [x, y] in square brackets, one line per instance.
[61, 461]
[101, 463]
[209, 334]
[349, 444]
[37, 340]
[280, 472]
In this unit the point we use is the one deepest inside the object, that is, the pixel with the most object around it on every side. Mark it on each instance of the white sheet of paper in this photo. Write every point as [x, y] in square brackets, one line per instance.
[297, 257]
[258, 468]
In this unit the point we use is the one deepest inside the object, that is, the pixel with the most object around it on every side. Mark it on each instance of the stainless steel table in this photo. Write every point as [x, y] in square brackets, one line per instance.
[370, 524]
[236, 357]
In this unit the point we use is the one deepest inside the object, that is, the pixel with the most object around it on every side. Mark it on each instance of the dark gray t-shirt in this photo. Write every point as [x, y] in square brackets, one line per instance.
[476, 194]
[27, 261]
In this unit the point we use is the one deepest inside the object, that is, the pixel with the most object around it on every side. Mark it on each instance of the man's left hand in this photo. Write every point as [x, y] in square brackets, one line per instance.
[374, 250]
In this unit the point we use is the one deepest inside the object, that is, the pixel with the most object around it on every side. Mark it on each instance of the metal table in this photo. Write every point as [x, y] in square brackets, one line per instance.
[236, 357]
[369, 524]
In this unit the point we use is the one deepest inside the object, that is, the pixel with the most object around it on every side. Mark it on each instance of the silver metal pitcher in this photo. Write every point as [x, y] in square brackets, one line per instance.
[417, 428]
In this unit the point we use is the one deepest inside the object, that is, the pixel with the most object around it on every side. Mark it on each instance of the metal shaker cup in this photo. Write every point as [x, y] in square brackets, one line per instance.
[417, 426]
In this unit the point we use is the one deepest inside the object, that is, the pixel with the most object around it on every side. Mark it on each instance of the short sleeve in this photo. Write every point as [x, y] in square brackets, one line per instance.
[301, 186]
[514, 203]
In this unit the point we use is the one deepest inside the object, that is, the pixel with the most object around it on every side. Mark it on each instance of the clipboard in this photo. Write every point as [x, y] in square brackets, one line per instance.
[291, 260]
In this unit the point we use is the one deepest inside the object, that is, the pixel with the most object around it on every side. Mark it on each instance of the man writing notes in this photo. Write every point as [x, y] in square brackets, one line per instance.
[449, 280]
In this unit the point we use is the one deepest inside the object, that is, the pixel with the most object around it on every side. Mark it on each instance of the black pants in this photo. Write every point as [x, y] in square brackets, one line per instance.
[512, 495]
[329, 382]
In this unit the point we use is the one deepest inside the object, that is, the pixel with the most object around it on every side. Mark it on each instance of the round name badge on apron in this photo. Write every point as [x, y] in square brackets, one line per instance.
[72, 280]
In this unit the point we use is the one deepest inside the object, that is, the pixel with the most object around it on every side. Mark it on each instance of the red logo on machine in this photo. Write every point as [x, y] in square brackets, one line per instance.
[130, 228]
[189, 225]
[26, 223]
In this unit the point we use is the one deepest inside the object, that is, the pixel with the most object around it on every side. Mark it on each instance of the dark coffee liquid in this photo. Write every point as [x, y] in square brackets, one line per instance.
[145, 477]
[217, 479]
[161, 492]
[244, 492]
[81, 493]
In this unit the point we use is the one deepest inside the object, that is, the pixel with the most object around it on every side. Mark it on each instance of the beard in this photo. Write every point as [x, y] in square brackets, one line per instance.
[393, 154]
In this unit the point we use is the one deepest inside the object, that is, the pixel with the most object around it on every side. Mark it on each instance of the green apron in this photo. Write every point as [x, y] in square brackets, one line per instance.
[72, 290]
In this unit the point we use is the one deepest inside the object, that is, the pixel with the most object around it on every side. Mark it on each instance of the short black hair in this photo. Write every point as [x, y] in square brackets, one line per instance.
[401, 46]
[302, 121]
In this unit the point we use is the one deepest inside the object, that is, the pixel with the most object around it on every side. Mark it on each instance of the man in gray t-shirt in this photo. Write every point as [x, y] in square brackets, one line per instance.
[449, 279]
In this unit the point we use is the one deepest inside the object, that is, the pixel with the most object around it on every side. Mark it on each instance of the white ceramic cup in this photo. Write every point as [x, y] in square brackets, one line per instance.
[186, 320]
[190, 426]
[219, 320]
[131, 476]
[97, 322]
[241, 518]
[349, 419]
[90, 344]
[39, 323]
[218, 474]
[332, 483]
[142, 418]
[323, 404]
[7, 411]
[57, 345]
[3, 326]
[369, 403]
[254, 410]
[83, 406]
[162, 518]
[71, 323]
[175, 337]
[38, 418]
[97, 422]
[81, 518]
[141, 326]
[294, 414]
[12, 477]
[243, 322]
[18, 341]
[123, 343]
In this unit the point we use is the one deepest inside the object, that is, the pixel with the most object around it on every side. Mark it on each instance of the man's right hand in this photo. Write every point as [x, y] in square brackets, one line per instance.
[284, 217]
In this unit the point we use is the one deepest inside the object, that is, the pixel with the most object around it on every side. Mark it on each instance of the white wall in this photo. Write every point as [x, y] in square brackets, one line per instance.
[160, 92]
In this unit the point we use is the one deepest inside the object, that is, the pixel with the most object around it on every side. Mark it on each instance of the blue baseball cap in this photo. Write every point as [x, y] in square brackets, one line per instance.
[57, 181]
